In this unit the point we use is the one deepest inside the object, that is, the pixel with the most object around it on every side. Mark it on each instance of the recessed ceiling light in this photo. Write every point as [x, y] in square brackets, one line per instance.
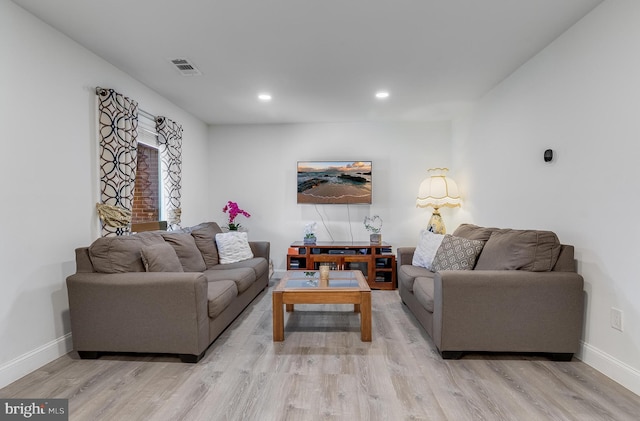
[382, 94]
[264, 97]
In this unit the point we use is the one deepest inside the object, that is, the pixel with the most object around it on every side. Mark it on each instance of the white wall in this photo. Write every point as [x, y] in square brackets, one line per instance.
[580, 97]
[256, 167]
[49, 179]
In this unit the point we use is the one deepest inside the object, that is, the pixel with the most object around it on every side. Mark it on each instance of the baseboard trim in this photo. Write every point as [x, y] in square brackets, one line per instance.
[611, 367]
[618, 371]
[33, 360]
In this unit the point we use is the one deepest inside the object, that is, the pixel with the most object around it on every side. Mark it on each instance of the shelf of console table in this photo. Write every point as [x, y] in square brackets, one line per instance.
[376, 261]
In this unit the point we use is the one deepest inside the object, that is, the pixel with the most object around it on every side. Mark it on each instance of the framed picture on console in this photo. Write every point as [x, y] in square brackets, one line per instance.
[334, 182]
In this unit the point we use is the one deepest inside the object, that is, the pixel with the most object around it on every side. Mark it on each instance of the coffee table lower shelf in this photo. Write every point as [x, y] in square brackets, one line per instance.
[343, 287]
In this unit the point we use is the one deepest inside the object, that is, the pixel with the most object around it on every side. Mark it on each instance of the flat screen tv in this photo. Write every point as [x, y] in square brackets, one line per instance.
[334, 182]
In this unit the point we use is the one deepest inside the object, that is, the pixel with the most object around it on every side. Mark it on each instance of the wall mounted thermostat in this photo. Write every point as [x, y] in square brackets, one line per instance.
[548, 155]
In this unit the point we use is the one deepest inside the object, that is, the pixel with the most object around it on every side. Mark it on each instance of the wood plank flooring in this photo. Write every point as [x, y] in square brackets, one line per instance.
[322, 371]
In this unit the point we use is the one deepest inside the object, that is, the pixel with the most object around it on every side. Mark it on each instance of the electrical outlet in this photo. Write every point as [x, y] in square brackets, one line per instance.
[616, 319]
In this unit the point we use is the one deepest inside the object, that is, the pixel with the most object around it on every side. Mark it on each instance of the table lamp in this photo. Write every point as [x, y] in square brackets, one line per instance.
[437, 191]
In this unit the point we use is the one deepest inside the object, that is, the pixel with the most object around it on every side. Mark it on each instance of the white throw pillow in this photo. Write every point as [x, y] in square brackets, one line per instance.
[233, 247]
[426, 249]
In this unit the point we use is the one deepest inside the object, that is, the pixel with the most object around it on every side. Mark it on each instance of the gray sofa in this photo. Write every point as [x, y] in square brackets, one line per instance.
[160, 292]
[523, 295]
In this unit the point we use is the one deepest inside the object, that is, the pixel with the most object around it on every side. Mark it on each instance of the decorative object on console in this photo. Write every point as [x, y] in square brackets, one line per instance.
[324, 271]
[309, 233]
[374, 226]
[233, 210]
[437, 191]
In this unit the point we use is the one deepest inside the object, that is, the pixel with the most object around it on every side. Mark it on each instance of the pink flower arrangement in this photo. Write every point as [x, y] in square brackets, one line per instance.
[233, 210]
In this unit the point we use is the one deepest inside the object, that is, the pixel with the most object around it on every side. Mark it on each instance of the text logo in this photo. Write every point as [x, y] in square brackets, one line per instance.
[34, 409]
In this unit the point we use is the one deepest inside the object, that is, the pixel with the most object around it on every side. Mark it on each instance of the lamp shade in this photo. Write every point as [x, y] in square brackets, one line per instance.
[438, 190]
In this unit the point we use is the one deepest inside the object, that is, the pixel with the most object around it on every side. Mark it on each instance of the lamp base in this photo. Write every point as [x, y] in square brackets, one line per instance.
[436, 224]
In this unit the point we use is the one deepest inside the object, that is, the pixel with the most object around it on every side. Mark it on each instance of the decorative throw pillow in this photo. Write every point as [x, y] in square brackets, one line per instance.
[233, 247]
[160, 257]
[428, 244]
[530, 250]
[188, 253]
[205, 235]
[473, 232]
[457, 253]
[121, 254]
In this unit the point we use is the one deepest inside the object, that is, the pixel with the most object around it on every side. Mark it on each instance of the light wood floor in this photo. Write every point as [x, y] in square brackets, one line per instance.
[322, 371]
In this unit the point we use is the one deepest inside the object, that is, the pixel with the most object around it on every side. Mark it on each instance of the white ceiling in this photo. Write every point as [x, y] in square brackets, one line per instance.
[322, 60]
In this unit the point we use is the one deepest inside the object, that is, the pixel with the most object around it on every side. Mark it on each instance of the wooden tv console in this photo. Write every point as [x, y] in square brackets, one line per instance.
[376, 261]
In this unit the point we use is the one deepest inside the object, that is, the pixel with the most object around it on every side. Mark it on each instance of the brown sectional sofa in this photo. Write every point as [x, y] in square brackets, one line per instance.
[523, 295]
[131, 293]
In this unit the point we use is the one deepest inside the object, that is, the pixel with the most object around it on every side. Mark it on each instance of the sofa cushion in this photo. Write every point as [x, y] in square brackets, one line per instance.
[423, 290]
[509, 249]
[160, 257]
[426, 249]
[233, 247]
[219, 295]
[408, 273]
[260, 266]
[457, 253]
[205, 236]
[188, 253]
[243, 277]
[473, 232]
[120, 254]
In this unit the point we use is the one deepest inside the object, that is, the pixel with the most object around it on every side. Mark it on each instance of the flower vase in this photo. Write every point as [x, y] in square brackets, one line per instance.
[233, 228]
[375, 238]
[309, 240]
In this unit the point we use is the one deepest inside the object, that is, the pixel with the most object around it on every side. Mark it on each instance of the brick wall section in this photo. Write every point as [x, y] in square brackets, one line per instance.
[146, 194]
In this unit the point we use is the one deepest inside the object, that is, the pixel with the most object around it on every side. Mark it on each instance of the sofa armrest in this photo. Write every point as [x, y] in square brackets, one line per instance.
[508, 311]
[260, 248]
[83, 261]
[405, 255]
[139, 312]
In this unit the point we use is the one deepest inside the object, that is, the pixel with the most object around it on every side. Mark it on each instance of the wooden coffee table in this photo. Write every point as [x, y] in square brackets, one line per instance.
[343, 287]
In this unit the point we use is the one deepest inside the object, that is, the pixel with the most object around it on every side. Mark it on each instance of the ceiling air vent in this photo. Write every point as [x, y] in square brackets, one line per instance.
[185, 67]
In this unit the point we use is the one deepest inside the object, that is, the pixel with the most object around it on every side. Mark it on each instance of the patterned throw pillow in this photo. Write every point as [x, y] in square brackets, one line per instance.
[457, 253]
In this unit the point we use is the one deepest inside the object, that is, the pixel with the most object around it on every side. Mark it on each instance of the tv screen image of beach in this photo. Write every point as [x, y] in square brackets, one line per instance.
[334, 182]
